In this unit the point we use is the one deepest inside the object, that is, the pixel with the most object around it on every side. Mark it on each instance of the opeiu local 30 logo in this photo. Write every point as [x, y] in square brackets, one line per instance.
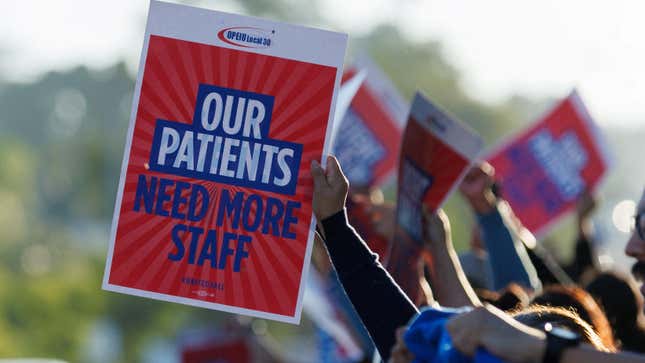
[247, 37]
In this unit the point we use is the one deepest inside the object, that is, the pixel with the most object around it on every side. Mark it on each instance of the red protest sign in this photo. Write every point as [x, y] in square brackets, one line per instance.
[546, 167]
[368, 141]
[436, 152]
[214, 202]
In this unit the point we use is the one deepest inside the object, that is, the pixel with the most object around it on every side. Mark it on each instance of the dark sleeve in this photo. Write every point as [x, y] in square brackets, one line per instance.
[378, 300]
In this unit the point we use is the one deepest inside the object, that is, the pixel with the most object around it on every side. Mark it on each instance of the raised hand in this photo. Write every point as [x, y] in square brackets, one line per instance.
[436, 229]
[330, 188]
[476, 187]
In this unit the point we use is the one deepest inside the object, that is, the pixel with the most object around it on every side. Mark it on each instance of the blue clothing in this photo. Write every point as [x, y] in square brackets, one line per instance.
[428, 339]
[506, 253]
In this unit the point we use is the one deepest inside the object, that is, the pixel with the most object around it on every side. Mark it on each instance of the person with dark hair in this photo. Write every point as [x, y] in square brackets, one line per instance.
[623, 305]
[379, 301]
[579, 301]
[498, 333]
[491, 329]
[512, 297]
[537, 315]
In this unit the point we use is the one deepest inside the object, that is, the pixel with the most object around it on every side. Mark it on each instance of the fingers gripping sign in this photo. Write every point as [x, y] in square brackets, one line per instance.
[436, 227]
[330, 188]
[476, 187]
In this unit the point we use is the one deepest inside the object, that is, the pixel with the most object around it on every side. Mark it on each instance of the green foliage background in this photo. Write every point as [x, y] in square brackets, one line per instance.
[57, 191]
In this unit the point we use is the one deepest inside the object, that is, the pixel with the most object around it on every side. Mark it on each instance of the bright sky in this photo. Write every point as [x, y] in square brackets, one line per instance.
[538, 48]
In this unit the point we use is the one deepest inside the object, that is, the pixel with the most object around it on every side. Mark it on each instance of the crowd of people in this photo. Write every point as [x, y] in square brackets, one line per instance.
[507, 298]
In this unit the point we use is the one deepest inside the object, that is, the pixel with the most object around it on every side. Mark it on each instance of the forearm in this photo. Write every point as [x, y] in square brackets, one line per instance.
[530, 348]
[405, 266]
[490, 328]
[449, 283]
[585, 228]
[378, 300]
[588, 354]
[507, 255]
[534, 352]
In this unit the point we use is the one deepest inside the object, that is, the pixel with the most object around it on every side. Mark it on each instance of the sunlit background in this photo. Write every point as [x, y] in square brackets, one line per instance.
[67, 73]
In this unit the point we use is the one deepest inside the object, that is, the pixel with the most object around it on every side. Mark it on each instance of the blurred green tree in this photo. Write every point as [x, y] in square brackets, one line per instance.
[60, 154]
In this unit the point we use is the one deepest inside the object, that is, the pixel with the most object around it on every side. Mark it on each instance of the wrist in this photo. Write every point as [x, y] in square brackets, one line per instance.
[329, 213]
[483, 203]
[338, 217]
[558, 341]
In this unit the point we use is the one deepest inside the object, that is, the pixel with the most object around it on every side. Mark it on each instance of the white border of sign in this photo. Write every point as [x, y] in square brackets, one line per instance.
[202, 26]
[461, 137]
[455, 133]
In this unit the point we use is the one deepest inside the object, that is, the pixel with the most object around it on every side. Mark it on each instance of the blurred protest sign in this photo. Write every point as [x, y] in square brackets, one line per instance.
[325, 309]
[233, 339]
[214, 202]
[369, 135]
[545, 168]
[436, 152]
[235, 350]
[346, 93]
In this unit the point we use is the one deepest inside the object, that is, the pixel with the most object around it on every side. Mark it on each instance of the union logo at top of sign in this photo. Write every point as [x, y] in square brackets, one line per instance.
[246, 37]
